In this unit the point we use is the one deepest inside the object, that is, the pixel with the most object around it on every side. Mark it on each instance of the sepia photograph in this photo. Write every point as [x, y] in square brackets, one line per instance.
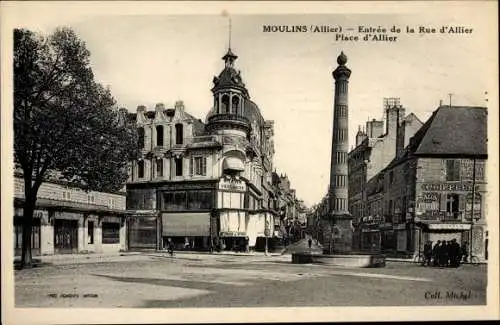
[249, 161]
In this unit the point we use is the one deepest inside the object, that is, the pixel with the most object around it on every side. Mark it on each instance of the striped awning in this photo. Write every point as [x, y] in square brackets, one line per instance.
[233, 163]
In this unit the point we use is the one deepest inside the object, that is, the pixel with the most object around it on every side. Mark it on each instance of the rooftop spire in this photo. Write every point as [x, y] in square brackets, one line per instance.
[229, 46]
[230, 57]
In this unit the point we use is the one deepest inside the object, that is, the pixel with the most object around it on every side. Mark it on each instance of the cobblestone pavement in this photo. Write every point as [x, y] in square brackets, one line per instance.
[200, 280]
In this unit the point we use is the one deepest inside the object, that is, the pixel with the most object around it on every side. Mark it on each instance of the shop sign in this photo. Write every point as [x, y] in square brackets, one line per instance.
[232, 234]
[447, 187]
[477, 206]
[232, 185]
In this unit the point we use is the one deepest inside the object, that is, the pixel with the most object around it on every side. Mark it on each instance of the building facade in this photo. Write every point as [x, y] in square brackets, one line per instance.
[70, 220]
[374, 150]
[204, 185]
[435, 190]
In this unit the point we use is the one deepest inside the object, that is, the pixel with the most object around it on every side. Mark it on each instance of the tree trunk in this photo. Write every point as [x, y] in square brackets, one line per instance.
[30, 196]
[26, 257]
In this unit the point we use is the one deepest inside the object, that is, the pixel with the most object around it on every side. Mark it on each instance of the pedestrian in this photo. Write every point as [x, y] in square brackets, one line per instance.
[435, 253]
[309, 242]
[427, 253]
[170, 247]
[452, 254]
[465, 251]
[444, 253]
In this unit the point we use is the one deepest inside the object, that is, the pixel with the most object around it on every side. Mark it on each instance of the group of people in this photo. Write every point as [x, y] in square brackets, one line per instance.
[445, 253]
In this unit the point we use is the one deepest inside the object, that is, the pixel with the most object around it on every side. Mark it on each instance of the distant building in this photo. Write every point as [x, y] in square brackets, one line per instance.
[69, 220]
[374, 150]
[204, 184]
[428, 189]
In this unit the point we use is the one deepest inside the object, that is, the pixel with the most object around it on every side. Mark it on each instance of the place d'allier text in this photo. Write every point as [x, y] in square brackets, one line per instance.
[366, 33]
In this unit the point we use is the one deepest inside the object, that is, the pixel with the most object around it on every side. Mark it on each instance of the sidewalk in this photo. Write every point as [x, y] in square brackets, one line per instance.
[66, 259]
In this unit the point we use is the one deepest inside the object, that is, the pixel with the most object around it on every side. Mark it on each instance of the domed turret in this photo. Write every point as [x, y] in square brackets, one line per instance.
[230, 99]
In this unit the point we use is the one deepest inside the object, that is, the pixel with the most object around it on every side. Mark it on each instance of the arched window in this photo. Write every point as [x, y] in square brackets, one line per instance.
[159, 135]
[179, 134]
[235, 105]
[140, 140]
[140, 169]
[225, 104]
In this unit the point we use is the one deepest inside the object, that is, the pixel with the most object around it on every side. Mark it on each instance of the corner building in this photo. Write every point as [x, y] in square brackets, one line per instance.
[202, 184]
[428, 189]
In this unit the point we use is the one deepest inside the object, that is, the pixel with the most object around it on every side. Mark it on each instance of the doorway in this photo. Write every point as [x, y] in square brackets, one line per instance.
[65, 236]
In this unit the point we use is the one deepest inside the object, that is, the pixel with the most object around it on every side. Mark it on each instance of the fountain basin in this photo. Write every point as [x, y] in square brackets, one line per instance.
[346, 260]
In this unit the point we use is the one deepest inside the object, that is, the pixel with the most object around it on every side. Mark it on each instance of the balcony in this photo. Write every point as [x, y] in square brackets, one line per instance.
[219, 121]
[451, 217]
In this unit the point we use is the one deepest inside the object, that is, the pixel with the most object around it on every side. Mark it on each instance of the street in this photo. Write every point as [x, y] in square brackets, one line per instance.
[200, 280]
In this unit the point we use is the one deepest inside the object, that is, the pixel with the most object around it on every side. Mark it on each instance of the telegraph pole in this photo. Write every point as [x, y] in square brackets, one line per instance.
[472, 203]
[450, 95]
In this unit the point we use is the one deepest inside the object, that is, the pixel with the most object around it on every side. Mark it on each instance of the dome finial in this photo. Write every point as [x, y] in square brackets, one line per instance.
[342, 58]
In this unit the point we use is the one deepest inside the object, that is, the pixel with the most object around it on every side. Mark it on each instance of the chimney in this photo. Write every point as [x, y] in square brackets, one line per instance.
[374, 128]
[395, 115]
[159, 107]
[179, 105]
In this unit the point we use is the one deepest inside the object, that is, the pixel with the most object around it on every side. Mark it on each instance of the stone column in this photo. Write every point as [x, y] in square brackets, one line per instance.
[339, 215]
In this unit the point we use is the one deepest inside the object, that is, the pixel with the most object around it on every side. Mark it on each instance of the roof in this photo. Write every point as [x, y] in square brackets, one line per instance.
[450, 131]
[456, 130]
[198, 125]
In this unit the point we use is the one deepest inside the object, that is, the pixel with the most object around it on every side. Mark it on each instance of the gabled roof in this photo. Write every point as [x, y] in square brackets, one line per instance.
[456, 130]
[459, 131]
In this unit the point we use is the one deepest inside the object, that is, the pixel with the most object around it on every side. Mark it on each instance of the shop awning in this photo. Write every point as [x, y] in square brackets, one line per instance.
[233, 163]
[449, 226]
[186, 224]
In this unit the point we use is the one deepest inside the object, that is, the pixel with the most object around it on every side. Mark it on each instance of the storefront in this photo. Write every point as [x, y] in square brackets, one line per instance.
[142, 232]
[187, 230]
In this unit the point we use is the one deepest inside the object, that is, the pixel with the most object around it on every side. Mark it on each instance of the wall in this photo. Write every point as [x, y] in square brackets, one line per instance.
[53, 191]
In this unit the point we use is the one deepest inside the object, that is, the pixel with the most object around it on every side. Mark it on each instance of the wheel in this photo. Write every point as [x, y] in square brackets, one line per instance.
[474, 260]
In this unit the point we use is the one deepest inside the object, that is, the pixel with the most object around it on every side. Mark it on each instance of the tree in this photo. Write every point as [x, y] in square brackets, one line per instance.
[65, 123]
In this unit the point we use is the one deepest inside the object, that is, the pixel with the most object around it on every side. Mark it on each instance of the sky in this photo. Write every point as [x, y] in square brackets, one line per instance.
[162, 55]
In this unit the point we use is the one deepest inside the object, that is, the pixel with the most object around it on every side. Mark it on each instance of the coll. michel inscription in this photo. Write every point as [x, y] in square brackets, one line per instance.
[448, 295]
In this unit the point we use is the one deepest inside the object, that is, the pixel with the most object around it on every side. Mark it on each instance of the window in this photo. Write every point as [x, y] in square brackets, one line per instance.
[391, 177]
[179, 134]
[225, 104]
[140, 139]
[174, 201]
[140, 169]
[199, 166]
[199, 200]
[178, 166]
[453, 170]
[235, 104]
[159, 167]
[90, 198]
[452, 208]
[110, 233]
[90, 232]
[159, 135]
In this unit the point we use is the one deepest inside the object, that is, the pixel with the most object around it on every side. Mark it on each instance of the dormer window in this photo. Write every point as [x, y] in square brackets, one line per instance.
[179, 134]
[159, 135]
[140, 139]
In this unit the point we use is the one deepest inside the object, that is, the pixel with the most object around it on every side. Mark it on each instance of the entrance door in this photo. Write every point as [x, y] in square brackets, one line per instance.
[66, 236]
